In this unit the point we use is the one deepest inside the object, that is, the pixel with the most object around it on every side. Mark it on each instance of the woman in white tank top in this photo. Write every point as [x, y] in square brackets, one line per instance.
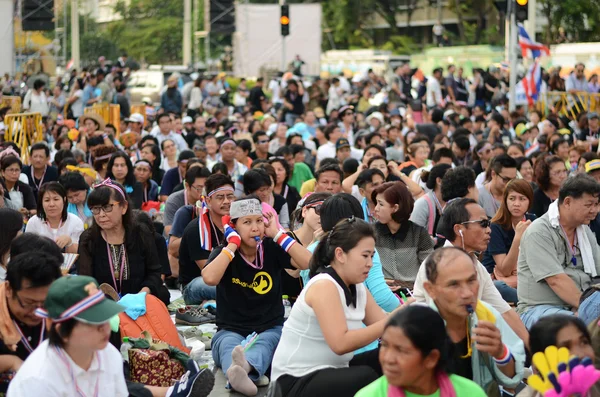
[315, 354]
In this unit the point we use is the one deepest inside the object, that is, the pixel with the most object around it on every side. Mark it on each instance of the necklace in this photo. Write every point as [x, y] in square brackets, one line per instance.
[37, 186]
[24, 339]
[121, 257]
[259, 257]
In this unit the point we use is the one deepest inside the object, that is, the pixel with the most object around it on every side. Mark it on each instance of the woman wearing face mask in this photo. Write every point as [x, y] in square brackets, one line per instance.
[120, 170]
[315, 355]
[414, 355]
[247, 273]
[78, 345]
[116, 250]
[508, 226]
[402, 244]
[562, 331]
[77, 194]
[53, 220]
[12, 227]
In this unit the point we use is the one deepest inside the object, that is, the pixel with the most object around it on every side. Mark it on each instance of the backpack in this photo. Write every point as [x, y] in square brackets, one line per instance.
[156, 321]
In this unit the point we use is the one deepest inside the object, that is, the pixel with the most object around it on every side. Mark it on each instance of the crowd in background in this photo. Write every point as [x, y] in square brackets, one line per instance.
[345, 195]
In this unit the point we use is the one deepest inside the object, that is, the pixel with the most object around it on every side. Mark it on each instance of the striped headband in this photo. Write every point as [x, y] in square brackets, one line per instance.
[109, 183]
[143, 162]
[225, 188]
[313, 204]
[106, 156]
[226, 141]
[74, 310]
[486, 146]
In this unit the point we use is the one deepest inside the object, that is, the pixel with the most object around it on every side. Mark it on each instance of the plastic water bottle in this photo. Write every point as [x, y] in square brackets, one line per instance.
[287, 306]
[125, 346]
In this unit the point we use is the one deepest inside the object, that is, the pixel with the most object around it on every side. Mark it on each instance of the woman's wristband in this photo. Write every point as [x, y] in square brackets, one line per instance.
[230, 254]
[285, 241]
[506, 357]
[279, 233]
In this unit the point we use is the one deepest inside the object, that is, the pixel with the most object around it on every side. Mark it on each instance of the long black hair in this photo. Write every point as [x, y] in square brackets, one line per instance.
[339, 206]
[427, 332]
[346, 234]
[130, 178]
[543, 333]
[12, 223]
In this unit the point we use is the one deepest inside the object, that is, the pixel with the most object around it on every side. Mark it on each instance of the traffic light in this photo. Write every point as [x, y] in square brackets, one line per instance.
[284, 20]
[522, 10]
[37, 15]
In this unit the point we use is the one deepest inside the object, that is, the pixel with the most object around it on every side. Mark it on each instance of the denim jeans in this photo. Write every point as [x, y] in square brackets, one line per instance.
[196, 292]
[290, 119]
[533, 314]
[508, 293]
[259, 356]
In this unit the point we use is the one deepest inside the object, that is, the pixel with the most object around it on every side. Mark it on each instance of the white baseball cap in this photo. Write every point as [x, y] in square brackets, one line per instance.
[135, 118]
[187, 119]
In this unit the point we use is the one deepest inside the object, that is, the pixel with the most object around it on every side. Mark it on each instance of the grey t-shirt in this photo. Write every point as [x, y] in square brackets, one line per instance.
[544, 253]
[174, 202]
[488, 202]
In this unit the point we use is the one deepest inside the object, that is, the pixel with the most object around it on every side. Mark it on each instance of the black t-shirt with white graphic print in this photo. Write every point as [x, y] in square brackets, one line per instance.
[249, 299]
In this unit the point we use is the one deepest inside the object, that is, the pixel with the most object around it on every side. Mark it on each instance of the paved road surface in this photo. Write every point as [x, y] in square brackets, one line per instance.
[220, 391]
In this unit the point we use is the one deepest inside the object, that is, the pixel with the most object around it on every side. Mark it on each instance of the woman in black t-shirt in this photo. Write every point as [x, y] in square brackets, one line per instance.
[247, 273]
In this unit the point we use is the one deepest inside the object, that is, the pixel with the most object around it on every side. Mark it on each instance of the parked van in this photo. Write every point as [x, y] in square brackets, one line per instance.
[153, 82]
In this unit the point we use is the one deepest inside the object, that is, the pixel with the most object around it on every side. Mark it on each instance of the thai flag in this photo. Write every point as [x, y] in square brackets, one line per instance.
[529, 45]
[532, 83]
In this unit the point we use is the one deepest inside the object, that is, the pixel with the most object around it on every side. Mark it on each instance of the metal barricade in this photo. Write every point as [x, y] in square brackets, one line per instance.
[13, 102]
[24, 129]
[569, 104]
[110, 113]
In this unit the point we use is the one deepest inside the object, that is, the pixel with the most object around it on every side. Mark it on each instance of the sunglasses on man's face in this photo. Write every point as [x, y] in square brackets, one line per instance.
[484, 223]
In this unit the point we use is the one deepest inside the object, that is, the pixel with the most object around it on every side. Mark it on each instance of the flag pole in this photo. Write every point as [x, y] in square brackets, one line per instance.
[512, 55]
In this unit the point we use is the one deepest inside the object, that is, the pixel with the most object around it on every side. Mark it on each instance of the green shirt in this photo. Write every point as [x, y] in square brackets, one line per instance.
[463, 387]
[300, 175]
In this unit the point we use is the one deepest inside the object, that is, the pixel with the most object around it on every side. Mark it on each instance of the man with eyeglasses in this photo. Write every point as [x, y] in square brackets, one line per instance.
[465, 225]
[194, 246]
[261, 145]
[558, 255]
[25, 289]
[503, 170]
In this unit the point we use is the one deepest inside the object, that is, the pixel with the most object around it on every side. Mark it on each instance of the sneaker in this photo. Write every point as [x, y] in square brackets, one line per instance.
[192, 332]
[195, 383]
[193, 315]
